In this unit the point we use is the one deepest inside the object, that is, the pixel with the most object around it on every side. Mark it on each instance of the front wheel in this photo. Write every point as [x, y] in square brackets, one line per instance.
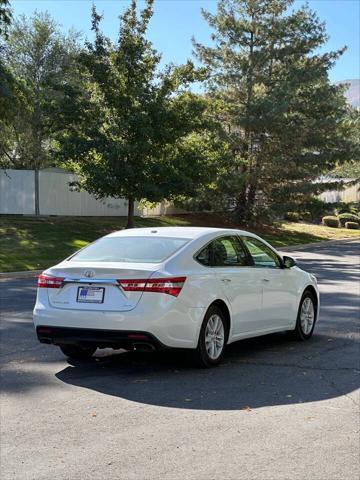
[306, 318]
[77, 352]
[212, 339]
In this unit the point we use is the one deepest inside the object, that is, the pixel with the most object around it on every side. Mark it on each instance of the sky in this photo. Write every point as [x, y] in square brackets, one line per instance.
[175, 22]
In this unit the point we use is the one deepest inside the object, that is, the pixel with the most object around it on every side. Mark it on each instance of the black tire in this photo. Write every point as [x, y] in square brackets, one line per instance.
[77, 352]
[201, 356]
[298, 333]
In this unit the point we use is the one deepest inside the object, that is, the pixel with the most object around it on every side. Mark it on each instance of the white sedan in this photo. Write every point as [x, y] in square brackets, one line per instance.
[180, 287]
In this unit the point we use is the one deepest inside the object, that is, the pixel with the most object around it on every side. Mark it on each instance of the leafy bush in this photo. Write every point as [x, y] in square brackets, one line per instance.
[331, 221]
[349, 207]
[292, 216]
[309, 210]
[348, 217]
[352, 225]
[314, 209]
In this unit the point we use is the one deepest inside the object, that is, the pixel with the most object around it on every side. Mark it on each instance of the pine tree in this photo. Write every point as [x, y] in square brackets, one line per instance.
[282, 118]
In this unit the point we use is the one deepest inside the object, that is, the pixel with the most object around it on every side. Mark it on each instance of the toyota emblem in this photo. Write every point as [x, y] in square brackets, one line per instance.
[89, 273]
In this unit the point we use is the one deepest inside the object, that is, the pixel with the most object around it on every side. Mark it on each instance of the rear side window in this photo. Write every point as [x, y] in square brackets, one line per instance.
[130, 250]
[204, 257]
[223, 252]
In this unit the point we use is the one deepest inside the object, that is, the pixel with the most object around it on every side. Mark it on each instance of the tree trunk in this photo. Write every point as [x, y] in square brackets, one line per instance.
[251, 203]
[37, 200]
[130, 218]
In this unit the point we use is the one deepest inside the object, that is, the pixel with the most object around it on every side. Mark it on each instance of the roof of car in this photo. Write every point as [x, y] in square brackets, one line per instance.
[178, 232]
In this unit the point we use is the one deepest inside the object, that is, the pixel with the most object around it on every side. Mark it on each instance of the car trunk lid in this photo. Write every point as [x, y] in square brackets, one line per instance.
[96, 287]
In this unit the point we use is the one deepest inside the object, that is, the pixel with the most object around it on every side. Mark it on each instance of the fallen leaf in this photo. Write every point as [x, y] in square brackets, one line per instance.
[93, 414]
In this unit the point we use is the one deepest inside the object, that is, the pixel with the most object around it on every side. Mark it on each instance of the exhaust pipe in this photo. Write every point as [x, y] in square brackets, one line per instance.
[144, 347]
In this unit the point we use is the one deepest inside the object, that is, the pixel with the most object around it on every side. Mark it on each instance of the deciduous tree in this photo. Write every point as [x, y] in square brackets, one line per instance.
[41, 58]
[132, 130]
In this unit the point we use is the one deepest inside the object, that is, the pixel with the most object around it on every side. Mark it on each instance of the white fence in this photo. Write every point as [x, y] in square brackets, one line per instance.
[56, 197]
[349, 194]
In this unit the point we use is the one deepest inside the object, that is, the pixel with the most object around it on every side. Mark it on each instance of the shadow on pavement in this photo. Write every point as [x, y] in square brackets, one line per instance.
[255, 373]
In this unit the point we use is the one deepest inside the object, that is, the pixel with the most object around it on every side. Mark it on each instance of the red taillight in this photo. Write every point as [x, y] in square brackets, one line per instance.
[48, 281]
[171, 285]
[137, 336]
[43, 330]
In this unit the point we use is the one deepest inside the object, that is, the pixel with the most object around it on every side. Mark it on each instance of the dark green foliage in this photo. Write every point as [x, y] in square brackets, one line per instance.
[350, 168]
[343, 207]
[316, 208]
[292, 216]
[348, 217]
[5, 17]
[284, 122]
[331, 221]
[310, 209]
[352, 225]
[38, 59]
[131, 131]
[7, 81]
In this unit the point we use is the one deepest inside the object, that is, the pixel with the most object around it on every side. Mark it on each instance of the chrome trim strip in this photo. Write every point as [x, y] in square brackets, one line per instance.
[110, 281]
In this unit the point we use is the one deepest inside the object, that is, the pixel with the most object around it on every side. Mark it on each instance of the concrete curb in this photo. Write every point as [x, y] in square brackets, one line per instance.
[292, 248]
[26, 274]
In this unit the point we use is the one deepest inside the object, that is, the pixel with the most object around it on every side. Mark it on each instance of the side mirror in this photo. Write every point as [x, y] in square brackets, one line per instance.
[289, 262]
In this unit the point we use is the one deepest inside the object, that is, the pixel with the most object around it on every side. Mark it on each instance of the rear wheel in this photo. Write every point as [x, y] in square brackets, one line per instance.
[306, 318]
[78, 352]
[212, 339]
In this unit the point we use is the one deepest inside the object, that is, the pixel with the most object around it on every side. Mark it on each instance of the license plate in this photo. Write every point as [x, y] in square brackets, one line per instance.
[90, 294]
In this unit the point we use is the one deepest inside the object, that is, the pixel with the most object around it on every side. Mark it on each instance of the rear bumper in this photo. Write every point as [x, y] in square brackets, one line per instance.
[128, 340]
[172, 323]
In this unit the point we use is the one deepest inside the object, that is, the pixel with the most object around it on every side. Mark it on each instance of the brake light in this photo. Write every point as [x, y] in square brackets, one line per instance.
[170, 285]
[48, 281]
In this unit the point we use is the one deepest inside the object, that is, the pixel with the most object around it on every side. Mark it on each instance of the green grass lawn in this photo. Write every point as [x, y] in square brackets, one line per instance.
[29, 243]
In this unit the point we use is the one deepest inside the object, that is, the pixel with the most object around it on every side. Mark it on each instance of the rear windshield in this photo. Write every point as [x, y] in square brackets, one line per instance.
[129, 249]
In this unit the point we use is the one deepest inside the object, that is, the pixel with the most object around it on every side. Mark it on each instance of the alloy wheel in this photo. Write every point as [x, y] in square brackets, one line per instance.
[214, 336]
[307, 315]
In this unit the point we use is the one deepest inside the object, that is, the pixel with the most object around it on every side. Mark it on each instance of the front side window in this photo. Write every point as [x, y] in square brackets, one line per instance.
[223, 252]
[129, 250]
[261, 254]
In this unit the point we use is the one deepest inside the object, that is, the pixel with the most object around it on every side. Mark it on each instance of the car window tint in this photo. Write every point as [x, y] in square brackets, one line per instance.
[261, 254]
[129, 249]
[228, 252]
[204, 257]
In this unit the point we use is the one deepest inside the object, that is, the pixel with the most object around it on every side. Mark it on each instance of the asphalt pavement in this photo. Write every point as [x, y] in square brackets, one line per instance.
[275, 408]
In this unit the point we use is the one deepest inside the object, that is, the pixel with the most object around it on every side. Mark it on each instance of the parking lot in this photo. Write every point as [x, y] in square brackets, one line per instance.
[275, 408]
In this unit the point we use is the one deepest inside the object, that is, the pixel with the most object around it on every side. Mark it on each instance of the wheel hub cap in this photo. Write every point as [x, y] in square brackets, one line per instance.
[214, 336]
[307, 315]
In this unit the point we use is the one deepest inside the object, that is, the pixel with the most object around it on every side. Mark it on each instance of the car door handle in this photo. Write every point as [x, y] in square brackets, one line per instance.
[266, 280]
[226, 280]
